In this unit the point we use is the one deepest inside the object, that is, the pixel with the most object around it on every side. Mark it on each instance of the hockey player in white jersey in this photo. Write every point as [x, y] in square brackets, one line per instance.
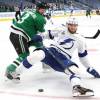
[58, 56]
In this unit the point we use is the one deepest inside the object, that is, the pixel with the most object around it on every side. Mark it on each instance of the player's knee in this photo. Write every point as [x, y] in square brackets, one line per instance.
[73, 70]
[36, 56]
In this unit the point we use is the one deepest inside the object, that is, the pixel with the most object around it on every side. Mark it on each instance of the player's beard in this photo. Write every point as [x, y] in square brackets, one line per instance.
[72, 32]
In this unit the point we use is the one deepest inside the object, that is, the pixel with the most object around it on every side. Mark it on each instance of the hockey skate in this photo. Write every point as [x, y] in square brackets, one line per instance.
[12, 75]
[93, 72]
[79, 91]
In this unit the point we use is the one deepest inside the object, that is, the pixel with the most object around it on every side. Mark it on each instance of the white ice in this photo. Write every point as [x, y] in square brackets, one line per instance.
[56, 85]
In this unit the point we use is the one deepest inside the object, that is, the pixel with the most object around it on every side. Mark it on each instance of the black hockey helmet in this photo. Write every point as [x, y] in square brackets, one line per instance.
[42, 5]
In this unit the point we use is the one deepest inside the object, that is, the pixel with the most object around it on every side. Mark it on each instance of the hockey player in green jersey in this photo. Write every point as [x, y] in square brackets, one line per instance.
[23, 32]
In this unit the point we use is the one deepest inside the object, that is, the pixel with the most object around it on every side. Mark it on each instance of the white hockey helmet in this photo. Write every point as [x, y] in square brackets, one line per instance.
[72, 21]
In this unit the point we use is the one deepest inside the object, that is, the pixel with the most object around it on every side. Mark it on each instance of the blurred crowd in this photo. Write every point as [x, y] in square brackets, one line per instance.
[70, 5]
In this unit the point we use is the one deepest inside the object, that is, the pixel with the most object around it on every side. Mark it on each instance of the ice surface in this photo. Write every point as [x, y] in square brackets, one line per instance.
[55, 84]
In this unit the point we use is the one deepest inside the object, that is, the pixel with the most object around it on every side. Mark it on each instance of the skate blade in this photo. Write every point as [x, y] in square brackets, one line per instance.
[16, 81]
[88, 94]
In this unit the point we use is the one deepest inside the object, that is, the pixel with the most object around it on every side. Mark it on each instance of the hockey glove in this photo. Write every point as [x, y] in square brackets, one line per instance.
[35, 39]
[93, 72]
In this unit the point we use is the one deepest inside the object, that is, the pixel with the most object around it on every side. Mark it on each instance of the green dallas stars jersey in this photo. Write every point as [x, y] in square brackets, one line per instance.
[31, 23]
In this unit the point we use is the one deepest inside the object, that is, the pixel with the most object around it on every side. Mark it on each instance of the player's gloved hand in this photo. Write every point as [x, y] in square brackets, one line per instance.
[37, 38]
[93, 72]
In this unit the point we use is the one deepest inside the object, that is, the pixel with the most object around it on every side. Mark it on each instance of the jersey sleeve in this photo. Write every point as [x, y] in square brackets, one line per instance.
[82, 48]
[82, 53]
[40, 24]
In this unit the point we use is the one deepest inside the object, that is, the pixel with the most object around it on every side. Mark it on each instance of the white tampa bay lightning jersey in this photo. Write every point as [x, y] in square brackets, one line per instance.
[67, 43]
[64, 41]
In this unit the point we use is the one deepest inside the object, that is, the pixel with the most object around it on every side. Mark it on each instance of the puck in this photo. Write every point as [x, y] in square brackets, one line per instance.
[40, 90]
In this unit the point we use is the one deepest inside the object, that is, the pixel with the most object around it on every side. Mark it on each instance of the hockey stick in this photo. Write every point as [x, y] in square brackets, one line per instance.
[93, 37]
